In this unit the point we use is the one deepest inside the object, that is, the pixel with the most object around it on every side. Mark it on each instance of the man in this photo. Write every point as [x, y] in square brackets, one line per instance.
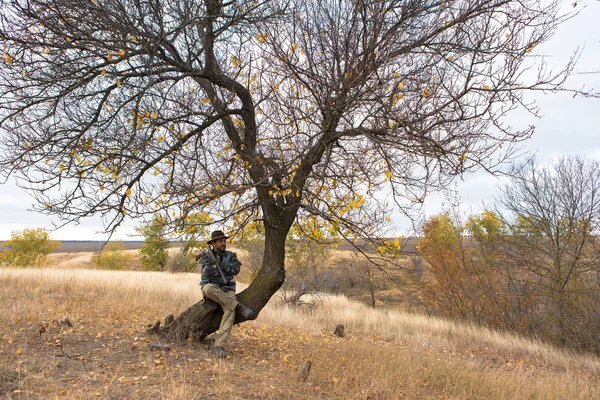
[218, 266]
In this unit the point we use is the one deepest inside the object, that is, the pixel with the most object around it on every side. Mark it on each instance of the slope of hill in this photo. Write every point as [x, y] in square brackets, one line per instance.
[385, 355]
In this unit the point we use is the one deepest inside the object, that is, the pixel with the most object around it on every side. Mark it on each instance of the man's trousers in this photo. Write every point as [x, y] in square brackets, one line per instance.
[228, 302]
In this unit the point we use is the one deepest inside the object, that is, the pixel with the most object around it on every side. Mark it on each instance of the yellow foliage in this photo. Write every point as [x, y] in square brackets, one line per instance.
[261, 37]
[112, 256]
[8, 59]
[28, 248]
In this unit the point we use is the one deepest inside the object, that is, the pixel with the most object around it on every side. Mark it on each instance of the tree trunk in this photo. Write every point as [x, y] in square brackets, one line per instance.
[204, 317]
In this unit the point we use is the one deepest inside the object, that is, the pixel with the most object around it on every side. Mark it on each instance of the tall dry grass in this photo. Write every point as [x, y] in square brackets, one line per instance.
[386, 354]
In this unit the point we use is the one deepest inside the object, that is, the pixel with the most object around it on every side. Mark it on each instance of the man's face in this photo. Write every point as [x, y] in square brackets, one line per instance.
[220, 245]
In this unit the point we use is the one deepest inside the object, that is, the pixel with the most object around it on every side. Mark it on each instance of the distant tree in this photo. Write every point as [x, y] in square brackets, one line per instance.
[112, 256]
[181, 262]
[28, 248]
[468, 277]
[154, 254]
[262, 110]
[532, 265]
[553, 212]
[367, 276]
[193, 231]
[446, 290]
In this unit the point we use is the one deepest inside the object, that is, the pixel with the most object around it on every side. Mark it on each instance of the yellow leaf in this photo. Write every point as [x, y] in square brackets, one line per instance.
[121, 53]
[19, 352]
[426, 93]
[235, 61]
[486, 87]
[101, 187]
[110, 57]
[389, 174]
[46, 50]
[134, 38]
[128, 192]
[397, 99]
[261, 37]
[8, 59]
[293, 47]
[401, 85]
[154, 115]
[118, 82]
[335, 380]
[104, 73]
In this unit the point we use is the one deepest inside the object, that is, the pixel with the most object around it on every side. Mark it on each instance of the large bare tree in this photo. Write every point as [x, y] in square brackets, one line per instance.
[264, 111]
[554, 216]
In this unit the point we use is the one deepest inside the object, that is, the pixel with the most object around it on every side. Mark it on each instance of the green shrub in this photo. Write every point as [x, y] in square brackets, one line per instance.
[28, 248]
[153, 254]
[181, 262]
[112, 256]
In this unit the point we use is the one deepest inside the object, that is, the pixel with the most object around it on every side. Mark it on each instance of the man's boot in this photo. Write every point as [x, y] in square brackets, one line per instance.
[219, 352]
[244, 311]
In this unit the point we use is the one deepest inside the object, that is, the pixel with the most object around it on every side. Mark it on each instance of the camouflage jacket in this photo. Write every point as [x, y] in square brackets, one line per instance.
[230, 265]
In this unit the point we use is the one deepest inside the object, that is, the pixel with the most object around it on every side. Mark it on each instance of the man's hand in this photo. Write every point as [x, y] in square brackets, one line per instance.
[197, 256]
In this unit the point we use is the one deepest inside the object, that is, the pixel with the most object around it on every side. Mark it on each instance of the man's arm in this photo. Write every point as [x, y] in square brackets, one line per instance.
[234, 264]
[205, 261]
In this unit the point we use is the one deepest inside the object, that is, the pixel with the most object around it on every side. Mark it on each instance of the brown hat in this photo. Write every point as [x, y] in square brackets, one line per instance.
[216, 235]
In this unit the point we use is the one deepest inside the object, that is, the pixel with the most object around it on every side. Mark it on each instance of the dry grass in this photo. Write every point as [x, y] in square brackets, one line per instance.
[83, 260]
[385, 355]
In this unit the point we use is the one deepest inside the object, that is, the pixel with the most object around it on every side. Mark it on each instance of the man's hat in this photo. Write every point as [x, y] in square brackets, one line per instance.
[216, 235]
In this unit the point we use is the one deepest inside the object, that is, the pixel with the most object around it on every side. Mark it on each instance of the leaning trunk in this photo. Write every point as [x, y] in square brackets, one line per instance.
[204, 317]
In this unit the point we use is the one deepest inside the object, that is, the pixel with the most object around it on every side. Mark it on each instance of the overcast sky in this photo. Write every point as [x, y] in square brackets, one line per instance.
[568, 126]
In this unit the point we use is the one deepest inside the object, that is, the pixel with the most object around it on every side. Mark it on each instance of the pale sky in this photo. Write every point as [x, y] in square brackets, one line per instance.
[568, 126]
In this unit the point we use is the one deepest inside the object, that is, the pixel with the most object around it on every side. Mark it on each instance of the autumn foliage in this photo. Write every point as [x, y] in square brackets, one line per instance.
[533, 269]
[28, 248]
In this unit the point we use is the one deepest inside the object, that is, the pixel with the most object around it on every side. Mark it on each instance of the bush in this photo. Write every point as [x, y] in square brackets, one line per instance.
[112, 256]
[28, 248]
[154, 253]
[181, 262]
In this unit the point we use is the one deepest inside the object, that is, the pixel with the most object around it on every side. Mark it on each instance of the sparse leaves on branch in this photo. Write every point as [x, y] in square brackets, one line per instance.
[123, 109]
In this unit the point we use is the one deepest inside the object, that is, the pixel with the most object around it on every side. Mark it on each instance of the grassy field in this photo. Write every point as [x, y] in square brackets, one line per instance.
[385, 354]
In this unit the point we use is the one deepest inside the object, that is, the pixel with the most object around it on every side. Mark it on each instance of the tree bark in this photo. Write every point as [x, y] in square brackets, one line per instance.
[204, 317]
